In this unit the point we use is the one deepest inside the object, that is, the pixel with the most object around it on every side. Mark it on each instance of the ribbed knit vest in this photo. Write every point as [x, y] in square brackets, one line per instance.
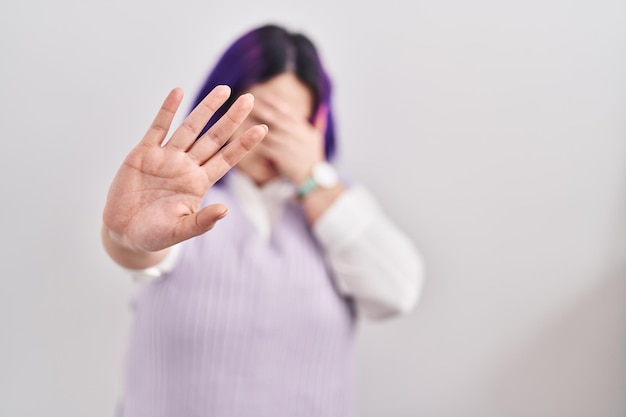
[242, 327]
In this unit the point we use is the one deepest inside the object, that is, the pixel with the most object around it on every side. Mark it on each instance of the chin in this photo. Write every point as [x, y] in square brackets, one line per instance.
[260, 177]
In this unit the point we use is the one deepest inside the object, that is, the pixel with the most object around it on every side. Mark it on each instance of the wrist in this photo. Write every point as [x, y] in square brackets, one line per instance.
[322, 175]
[126, 254]
[118, 240]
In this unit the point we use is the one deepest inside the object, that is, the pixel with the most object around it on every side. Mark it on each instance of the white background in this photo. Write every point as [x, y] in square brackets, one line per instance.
[493, 132]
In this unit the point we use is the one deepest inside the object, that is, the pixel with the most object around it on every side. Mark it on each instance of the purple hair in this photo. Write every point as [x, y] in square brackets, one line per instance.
[263, 53]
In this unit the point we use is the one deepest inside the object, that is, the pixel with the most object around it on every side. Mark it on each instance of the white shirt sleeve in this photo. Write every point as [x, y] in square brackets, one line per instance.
[373, 260]
[157, 271]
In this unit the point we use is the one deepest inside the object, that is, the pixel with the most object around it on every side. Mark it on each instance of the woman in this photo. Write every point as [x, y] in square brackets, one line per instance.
[257, 316]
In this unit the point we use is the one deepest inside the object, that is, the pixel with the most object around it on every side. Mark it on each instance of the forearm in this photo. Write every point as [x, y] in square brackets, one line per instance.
[372, 259]
[319, 200]
[126, 256]
[382, 271]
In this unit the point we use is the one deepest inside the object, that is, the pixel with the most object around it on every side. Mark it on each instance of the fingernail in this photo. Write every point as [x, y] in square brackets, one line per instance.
[222, 215]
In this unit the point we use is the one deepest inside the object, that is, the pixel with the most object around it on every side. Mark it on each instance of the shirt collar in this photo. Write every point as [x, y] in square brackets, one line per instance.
[262, 205]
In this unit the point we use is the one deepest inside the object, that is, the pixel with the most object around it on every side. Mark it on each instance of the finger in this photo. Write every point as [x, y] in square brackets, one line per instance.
[278, 115]
[161, 124]
[201, 221]
[276, 105]
[223, 129]
[274, 140]
[231, 154]
[265, 111]
[187, 133]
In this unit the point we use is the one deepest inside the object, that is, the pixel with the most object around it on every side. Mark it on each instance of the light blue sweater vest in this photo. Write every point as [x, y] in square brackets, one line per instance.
[242, 327]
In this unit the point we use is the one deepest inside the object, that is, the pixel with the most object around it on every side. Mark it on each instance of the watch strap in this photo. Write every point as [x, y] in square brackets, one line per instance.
[306, 187]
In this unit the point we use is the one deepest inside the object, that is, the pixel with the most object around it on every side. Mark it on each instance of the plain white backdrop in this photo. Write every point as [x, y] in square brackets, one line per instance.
[493, 132]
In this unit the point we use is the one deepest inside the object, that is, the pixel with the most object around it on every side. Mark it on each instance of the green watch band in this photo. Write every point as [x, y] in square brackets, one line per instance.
[322, 175]
[308, 186]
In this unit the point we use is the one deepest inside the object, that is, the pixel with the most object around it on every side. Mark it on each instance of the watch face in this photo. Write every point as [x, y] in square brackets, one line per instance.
[325, 175]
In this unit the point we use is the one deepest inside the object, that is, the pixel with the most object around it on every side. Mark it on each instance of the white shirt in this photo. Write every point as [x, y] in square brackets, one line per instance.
[373, 261]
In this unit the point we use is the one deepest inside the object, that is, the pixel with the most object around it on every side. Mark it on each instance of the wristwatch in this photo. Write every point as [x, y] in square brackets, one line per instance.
[323, 175]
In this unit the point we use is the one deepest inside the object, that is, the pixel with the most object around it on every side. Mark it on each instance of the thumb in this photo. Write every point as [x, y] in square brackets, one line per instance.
[202, 221]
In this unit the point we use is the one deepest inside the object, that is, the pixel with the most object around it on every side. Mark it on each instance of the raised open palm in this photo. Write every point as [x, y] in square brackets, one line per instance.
[154, 200]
